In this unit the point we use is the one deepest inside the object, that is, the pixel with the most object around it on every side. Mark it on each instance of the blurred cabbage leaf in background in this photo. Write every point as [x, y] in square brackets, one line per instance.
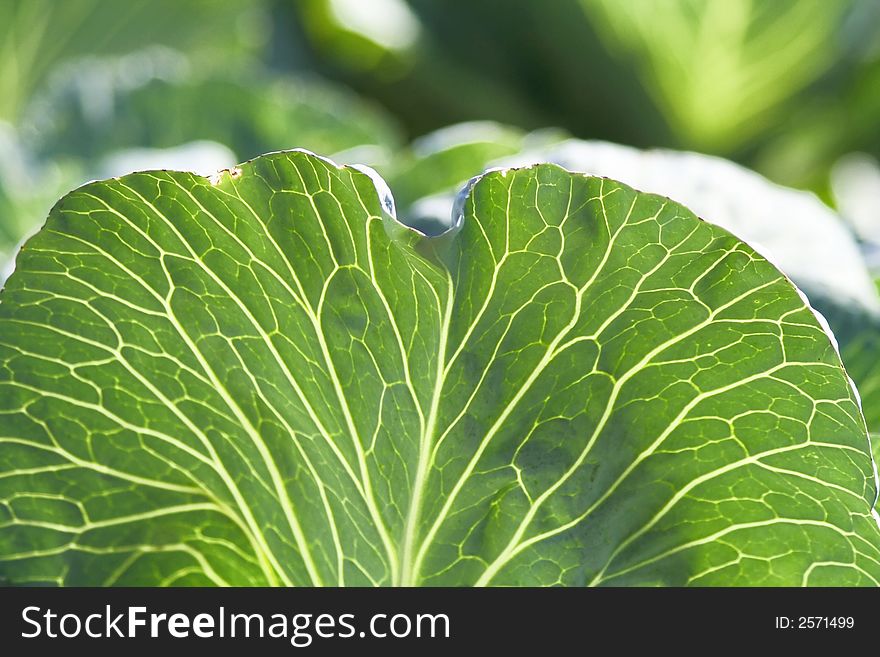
[27, 191]
[838, 117]
[855, 184]
[36, 35]
[39, 36]
[437, 160]
[157, 99]
[525, 63]
[860, 351]
[717, 69]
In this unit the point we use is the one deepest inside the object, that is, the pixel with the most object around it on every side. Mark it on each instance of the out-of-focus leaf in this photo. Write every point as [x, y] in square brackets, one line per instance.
[519, 62]
[441, 160]
[152, 99]
[27, 191]
[35, 35]
[719, 68]
[201, 157]
[840, 117]
[861, 353]
[858, 334]
[855, 184]
[856, 188]
[264, 378]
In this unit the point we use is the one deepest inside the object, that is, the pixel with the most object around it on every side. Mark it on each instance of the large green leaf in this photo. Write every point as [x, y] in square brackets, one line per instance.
[802, 235]
[262, 377]
[805, 238]
[823, 258]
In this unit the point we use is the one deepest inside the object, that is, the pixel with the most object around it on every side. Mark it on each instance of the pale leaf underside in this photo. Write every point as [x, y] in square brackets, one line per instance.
[262, 379]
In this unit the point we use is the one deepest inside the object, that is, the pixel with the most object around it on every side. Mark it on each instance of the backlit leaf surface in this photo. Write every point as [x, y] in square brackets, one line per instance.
[263, 378]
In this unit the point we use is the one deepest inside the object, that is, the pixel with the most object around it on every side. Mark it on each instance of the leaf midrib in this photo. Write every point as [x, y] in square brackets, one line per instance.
[409, 575]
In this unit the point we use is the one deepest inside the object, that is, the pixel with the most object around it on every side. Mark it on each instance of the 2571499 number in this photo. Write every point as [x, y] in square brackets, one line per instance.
[815, 622]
